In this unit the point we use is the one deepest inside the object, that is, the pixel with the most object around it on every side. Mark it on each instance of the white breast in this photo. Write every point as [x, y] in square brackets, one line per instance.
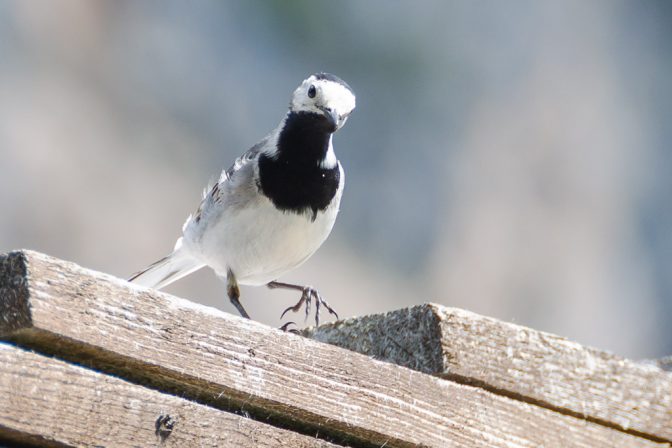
[258, 242]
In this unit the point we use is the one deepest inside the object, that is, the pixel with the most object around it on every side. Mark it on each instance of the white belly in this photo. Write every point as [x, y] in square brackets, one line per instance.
[259, 243]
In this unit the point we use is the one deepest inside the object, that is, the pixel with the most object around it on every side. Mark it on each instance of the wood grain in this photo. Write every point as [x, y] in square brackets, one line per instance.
[47, 401]
[516, 361]
[228, 361]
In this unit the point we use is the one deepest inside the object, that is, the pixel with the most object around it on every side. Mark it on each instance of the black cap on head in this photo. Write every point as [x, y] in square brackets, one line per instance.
[333, 78]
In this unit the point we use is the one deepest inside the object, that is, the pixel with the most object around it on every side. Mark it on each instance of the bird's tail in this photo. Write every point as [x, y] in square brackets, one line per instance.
[167, 270]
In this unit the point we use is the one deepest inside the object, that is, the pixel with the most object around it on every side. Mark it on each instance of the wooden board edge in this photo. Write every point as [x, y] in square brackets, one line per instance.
[59, 404]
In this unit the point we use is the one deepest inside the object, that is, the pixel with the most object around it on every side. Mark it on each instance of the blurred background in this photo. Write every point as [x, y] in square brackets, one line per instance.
[510, 158]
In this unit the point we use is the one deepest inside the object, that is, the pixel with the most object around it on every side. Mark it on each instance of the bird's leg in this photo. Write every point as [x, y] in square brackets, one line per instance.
[308, 293]
[233, 291]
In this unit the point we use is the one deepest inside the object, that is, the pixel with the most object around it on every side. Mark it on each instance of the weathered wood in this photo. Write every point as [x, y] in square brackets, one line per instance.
[517, 361]
[227, 361]
[52, 402]
[665, 363]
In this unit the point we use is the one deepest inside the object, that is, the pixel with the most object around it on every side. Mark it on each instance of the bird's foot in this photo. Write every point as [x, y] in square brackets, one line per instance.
[307, 296]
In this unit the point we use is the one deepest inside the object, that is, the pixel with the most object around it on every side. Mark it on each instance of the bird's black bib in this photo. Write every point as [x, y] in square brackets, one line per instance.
[292, 178]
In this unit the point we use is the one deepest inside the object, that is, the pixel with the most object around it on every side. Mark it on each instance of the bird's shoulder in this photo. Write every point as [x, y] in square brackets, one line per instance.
[245, 158]
[230, 179]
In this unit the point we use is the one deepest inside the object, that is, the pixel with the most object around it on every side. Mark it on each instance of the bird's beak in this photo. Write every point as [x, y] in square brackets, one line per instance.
[332, 116]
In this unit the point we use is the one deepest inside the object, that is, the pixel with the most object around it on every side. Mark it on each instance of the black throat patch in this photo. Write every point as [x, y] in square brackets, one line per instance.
[293, 179]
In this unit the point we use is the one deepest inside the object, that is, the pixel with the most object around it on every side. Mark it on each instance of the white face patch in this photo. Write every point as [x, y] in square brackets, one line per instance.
[328, 94]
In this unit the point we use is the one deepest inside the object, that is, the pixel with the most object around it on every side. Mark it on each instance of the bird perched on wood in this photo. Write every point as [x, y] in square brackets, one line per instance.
[274, 207]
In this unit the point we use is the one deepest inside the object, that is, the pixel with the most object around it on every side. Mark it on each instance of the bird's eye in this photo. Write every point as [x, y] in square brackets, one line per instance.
[311, 92]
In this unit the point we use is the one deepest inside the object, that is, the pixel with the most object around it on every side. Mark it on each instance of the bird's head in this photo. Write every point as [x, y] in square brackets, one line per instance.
[326, 95]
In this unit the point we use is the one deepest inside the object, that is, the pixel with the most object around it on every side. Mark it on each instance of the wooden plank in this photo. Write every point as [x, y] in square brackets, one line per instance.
[665, 363]
[228, 361]
[54, 402]
[521, 362]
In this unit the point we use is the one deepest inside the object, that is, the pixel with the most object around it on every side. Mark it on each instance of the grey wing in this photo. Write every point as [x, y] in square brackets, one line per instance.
[245, 158]
[213, 195]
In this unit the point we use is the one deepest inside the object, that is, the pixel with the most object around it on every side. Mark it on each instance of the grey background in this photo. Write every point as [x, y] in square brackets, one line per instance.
[511, 158]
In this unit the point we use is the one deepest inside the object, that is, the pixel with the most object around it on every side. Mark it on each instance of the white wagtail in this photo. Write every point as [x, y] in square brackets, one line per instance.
[274, 207]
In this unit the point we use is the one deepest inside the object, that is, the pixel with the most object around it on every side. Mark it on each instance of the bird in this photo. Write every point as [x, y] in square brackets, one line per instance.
[274, 207]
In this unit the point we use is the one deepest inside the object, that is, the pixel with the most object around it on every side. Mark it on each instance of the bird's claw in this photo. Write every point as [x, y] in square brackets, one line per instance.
[285, 327]
[307, 296]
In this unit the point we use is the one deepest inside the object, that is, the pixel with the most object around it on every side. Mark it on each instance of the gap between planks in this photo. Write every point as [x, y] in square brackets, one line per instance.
[55, 403]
